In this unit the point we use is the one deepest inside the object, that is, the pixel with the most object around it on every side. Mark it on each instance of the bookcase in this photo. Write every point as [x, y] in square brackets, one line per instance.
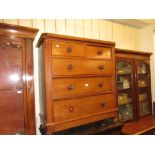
[133, 84]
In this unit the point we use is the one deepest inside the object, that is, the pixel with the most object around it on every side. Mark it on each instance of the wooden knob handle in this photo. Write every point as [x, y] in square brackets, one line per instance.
[69, 49]
[100, 84]
[70, 87]
[70, 66]
[101, 67]
[18, 46]
[19, 91]
[99, 52]
[71, 109]
[103, 104]
[7, 43]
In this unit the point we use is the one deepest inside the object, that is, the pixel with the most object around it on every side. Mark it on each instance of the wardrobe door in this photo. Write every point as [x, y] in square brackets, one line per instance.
[11, 86]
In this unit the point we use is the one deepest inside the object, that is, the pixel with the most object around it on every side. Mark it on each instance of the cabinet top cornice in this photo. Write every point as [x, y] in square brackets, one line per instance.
[118, 50]
[17, 31]
[72, 38]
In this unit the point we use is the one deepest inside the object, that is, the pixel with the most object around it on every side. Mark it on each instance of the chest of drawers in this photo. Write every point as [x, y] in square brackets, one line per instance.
[76, 81]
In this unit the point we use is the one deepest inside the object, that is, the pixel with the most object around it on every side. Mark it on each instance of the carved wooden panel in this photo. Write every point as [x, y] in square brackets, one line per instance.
[7, 43]
[10, 64]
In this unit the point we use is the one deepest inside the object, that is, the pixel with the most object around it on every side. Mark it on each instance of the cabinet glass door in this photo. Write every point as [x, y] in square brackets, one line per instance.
[144, 98]
[125, 90]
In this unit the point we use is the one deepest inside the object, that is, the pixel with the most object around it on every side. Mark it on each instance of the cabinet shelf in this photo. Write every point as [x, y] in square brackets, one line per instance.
[125, 74]
[143, 88]
[125, 90]
[127, 120]
[142, 74]
[143, 101]
[125, 104]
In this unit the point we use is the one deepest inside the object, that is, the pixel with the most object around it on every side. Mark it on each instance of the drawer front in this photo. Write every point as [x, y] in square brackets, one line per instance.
[99, 67]
[98, 52]
[64, 67]
[67, 49]
[76, 108]
[67, 87]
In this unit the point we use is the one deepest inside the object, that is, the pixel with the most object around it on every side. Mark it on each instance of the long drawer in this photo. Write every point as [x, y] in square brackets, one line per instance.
[64, 67]
[79, 107]
[67, 87]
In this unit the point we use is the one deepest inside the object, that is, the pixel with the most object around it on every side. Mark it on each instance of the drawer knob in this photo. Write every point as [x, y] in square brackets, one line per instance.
[103, 104]
[101, 67]
[99, 52]
[70, 66]
[70, 87]
[71, 109]
[100, 85]
[7, 43]
[19, 92]
[69, 49]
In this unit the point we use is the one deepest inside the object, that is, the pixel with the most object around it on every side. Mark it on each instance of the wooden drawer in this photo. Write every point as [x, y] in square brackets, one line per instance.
[98, 52]
[67, 49]
[76, 108]
[64, 67]
[67, 87]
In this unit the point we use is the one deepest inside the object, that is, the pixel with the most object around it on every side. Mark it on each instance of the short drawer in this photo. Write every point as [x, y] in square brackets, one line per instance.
[64, 67]
[68, 87]
[98, 52]
[79, 107]
[60, 48]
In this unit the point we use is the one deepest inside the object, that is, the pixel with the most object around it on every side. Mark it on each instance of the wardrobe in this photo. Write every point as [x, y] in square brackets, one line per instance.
[16, 80]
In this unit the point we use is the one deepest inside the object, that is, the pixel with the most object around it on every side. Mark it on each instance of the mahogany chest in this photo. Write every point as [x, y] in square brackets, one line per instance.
[76, 81]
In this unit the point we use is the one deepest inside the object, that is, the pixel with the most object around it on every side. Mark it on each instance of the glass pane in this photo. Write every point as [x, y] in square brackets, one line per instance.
[124, 98]
[123, 82]
[142, 68]
[142, 82]
[143, 104]
[125, 112]
[123, 68]
[124, 86]
[142, 75]
[143, 89]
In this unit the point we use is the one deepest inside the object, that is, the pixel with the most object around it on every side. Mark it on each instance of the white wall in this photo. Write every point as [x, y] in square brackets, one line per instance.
[126, 37]
[148, 45]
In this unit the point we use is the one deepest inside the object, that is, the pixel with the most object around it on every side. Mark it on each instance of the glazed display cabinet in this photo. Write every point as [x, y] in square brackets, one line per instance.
[133, 84]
